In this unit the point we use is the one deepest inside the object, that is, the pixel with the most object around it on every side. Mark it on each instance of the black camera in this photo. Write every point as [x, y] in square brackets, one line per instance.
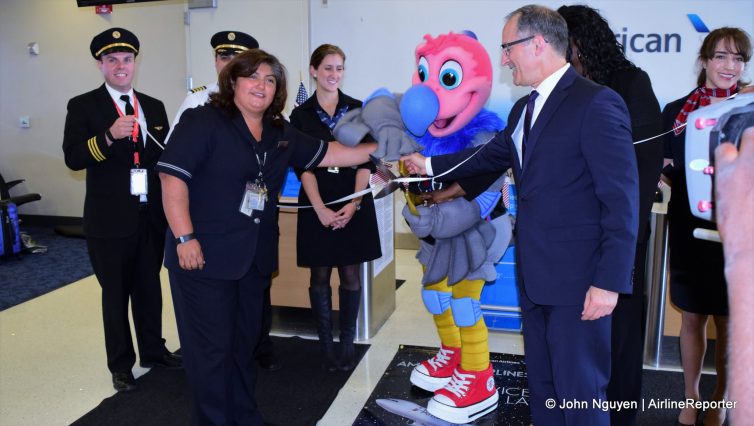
[707, 128]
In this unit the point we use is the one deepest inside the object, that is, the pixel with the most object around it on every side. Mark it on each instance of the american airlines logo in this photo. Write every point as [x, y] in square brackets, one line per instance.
[655, 42]
[697, 22]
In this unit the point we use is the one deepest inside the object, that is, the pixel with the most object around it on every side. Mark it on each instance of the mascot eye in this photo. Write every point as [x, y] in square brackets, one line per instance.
[423, 69]
[451, 75]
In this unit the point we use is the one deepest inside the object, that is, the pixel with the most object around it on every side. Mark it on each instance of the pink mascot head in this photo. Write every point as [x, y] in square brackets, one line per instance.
[457, 68]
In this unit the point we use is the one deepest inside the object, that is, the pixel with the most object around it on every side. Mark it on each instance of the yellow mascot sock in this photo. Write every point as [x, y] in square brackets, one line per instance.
[446, 326]
[475, 350]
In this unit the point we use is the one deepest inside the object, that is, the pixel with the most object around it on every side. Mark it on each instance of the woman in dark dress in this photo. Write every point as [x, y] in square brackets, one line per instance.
[341, 235]
[697, 284]
[597, 55]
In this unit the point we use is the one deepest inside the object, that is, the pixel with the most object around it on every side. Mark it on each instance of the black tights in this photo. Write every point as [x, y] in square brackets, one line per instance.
[349, 277]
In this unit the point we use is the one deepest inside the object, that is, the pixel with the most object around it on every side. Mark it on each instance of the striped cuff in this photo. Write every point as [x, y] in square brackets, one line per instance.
[94, 149]
[314, 159]
[184, 172]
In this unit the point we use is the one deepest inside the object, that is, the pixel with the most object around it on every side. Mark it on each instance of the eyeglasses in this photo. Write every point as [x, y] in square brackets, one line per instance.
[507, 46]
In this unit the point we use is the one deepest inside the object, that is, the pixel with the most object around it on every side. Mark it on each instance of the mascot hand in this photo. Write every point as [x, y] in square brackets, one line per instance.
[351, 129]
[421, 224]
[382, 116]
[444, 220]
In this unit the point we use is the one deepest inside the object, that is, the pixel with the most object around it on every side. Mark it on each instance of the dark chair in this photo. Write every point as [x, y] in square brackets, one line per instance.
[19, 199]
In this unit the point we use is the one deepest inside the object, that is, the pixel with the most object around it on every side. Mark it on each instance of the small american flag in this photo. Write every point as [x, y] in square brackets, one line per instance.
[301, 96]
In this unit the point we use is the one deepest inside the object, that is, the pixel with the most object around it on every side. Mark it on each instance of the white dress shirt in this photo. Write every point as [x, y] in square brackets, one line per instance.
[544, 89]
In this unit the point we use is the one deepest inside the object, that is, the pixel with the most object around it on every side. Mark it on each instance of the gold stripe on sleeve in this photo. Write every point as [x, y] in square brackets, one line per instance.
[94, 149]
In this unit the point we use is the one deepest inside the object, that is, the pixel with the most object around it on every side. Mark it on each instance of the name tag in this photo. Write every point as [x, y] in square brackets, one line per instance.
[138, 181]
[254, 198]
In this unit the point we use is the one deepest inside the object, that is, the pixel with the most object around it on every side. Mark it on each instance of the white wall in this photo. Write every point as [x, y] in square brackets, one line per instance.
[280, 27]
[40, 86]
[378, 36]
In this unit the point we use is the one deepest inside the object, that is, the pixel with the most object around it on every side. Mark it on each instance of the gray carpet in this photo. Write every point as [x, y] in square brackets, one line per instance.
[33, 274]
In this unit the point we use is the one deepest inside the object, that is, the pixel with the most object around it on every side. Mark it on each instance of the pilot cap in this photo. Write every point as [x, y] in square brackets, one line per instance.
[232, 42]
[114, 40]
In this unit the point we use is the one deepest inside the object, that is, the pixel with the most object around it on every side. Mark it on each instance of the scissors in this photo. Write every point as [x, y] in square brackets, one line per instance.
[383, 175]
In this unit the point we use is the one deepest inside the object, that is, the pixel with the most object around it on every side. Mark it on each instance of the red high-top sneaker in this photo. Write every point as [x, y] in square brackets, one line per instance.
[468, 396]
[435, 372]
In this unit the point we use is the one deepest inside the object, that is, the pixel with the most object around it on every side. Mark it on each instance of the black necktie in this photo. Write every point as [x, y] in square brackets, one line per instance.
[129, 107]
[130, 111]
[527, 121]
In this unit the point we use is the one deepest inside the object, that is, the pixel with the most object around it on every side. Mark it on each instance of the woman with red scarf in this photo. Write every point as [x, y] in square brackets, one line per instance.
[697, 284]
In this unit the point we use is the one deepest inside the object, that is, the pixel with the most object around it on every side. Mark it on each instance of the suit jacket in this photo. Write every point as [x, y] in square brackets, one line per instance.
[110, 211]
[578, 196]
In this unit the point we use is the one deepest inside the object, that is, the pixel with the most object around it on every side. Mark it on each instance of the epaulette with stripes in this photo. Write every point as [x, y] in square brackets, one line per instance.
[198, 89]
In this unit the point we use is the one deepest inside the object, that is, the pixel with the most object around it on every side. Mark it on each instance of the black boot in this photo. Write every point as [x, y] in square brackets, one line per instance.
[321, 301]
[349, 312]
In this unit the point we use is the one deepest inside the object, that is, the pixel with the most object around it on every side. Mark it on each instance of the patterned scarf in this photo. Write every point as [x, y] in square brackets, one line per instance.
[698, 99]
[331, 122]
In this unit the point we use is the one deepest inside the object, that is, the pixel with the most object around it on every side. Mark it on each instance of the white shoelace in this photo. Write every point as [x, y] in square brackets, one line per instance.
[459, 384]
[441, 359]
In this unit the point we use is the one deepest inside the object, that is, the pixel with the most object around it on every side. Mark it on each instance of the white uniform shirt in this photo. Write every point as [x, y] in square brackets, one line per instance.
[196, 97]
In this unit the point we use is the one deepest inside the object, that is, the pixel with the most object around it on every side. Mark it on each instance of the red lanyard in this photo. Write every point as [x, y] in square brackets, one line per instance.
[135, 131]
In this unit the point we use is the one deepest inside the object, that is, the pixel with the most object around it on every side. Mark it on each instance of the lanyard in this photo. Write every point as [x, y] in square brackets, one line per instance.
[261, 162]
[135, 131]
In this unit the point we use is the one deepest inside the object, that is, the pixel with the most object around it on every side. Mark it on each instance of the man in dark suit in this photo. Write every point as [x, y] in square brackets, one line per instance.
[569, 144]
[114, 133]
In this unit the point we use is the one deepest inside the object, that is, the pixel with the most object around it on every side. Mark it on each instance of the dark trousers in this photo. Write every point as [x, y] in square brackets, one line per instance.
[628, 345]
[567, 359]
[129, 268]
[264, 347]
[219, 326]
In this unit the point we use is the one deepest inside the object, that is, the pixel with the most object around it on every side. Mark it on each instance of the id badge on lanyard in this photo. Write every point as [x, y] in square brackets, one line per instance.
[139, 182]
[255, 194]
[138, 175]
[254, 198]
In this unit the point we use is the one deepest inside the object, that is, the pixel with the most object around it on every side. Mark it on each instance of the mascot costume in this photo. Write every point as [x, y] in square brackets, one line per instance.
[461, 236]
[459, 245]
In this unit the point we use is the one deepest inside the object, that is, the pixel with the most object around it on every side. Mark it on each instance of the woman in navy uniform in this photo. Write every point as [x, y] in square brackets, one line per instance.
[342, 235]
[220, 175]
[124, 231]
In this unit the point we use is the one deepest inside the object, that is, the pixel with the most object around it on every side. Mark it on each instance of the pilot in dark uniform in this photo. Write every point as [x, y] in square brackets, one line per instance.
[113, 132]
